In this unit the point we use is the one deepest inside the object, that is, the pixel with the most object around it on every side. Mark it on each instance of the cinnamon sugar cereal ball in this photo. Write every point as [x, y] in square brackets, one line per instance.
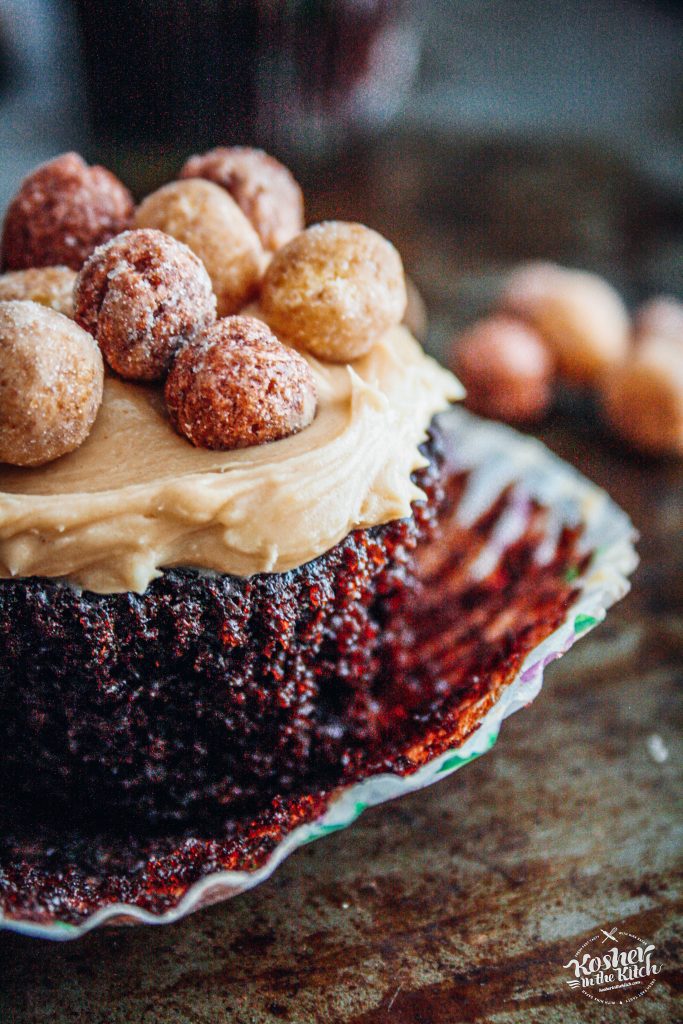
[237, 386]
[63, 211]
[579, 314]
[334, 289]
[210, 222]
[643, 398]
[506, 369]
[264, 189]
[51, 378]
[143, 295]
[50, 286]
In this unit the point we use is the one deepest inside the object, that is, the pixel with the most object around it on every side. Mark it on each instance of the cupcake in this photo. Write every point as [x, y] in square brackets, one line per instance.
[207, 522]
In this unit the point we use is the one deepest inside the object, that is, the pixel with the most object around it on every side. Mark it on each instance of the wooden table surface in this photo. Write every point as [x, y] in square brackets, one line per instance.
[461, 903]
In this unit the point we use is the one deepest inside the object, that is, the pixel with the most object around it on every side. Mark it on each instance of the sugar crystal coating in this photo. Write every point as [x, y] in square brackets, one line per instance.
[334, 289]
[50, 286]
[143, 295]
[209, 221]
[237, 386]
[62, 211]
[51, 379]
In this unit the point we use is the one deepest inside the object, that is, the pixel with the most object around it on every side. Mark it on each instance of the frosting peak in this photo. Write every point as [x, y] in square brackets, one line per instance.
[136, 497]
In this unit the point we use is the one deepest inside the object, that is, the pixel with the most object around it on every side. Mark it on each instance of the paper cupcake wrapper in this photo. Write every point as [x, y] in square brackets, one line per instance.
[497, 456]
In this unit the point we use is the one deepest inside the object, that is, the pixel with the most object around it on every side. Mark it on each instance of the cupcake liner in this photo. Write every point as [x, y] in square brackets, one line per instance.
[497, 461]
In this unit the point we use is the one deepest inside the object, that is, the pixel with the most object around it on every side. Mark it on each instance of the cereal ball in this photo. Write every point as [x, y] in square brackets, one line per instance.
[50, 286]
[237, 386]
[143, 295]
[63, 211]
[506, 369]
[661, 318]
[262, 187]
[581, 317]
[51, 378]
[643, 398]
[210, 222]
[334, 289]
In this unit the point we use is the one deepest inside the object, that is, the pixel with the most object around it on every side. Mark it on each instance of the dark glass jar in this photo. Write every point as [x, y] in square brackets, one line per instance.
[296, 76]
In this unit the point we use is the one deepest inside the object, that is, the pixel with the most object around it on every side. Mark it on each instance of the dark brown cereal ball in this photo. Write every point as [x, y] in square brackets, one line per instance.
[51, 379]
[63, 210]
[237, 385]
[263, 188]
[143, 295]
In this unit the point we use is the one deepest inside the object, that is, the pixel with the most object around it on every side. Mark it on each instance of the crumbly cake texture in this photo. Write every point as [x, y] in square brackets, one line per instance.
[206, 690]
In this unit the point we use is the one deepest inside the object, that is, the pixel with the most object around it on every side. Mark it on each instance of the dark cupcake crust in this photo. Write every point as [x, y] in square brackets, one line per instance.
[204, 690]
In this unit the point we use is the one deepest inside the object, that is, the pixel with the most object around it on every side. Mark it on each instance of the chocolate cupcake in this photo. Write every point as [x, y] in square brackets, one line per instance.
[196, 603]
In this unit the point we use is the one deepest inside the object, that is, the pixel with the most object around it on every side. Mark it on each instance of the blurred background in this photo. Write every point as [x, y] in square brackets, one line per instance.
[473, 134]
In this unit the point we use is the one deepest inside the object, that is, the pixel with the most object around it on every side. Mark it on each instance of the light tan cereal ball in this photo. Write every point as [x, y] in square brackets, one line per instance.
[209, 221]
[579, 314]
[50, 286]
[506, 369]
[236, 385]
[334, 290]
[661, 318]
[643, 398]
[51, 379]
[264, 189]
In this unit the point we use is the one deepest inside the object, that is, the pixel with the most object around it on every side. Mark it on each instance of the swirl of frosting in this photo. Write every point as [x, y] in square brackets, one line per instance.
[136, 498]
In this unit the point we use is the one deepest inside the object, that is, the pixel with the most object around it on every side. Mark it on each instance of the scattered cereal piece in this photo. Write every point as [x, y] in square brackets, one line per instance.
[506, 369]
[209, 221]
[143, 295]
[264, 189]
[579, 314]
[334, 289]
[643, 398]
[51, 378]
[237, 386]
[62, 211]
[50, 286]
[661, 318]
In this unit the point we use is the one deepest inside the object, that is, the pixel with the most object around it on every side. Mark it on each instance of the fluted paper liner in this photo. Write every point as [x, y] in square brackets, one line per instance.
[496, 457]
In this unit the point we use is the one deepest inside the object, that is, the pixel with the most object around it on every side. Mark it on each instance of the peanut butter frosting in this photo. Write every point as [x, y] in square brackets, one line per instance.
[136, 497]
